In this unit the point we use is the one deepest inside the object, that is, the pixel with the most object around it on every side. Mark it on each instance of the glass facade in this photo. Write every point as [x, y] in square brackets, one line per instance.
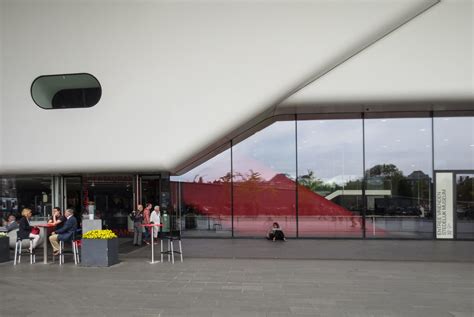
[26, 192]
[202, 198]
[335, 178]
[317, 176]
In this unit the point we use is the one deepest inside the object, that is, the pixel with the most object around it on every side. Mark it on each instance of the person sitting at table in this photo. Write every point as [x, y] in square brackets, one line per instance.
[276, 233]
[25, 230]
[66, 233]
[57, 219]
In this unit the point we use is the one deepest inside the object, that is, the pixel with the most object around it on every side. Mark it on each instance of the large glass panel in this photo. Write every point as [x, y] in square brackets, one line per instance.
[465, 206]
[72, 195]
[150, 189]
[330, 173]
[202, 198]
[110, 198]
[26, 192]
[399, 178]
[454, 143]
[264, 181]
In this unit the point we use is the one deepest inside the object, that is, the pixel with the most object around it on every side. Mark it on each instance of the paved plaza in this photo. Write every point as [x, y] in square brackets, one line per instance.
[237, 285]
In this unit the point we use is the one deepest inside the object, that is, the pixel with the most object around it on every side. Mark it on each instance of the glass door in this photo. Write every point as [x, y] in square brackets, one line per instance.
[110, 198]
[150, 189]
[464, 206]
[72, 194]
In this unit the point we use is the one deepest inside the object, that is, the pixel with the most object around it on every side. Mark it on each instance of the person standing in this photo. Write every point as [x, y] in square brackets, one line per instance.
[137, 218]
[65, 233]
[24, 231]
[155, 219]
[146, 220]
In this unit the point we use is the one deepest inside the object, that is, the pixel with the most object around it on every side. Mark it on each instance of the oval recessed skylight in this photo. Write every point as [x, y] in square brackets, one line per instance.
[66, 91]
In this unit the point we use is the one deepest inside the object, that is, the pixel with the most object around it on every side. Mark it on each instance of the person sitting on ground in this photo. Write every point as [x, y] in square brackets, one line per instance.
[57, 219]
[66, 233]
[275, 233]
[25, 230]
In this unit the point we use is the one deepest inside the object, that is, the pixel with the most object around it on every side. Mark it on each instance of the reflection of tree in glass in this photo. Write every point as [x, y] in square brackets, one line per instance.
[315, 184]
[321, 187]
[409, 195]
[391, 178]
[385, 170]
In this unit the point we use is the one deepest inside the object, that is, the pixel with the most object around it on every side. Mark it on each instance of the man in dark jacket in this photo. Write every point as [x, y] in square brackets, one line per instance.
[65, 233]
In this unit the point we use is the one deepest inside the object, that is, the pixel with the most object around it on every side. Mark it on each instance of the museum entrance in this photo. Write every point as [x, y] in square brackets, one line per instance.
[109, 198]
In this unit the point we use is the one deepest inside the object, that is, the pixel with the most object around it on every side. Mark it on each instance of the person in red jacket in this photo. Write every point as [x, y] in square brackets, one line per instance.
[146, 220]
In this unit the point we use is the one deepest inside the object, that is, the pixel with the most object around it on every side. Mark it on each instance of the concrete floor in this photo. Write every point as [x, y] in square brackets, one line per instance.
[311, 249]
[245, 286]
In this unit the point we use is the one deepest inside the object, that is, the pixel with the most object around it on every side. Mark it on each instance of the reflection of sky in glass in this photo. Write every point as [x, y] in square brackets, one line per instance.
[454, 143]
[404, 142]
[210, 170]
[269, 152]
[332, 149]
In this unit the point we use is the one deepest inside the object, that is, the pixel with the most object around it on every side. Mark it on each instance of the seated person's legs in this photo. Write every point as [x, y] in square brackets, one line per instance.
[270, 236]
[279, 235]
[36, 238]
[53, 239]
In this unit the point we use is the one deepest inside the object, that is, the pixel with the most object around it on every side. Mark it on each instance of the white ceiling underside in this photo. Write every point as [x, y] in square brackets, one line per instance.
[428, 61]
[181, 78]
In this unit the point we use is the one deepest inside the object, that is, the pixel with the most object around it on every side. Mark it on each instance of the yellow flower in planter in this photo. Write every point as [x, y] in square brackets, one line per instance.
[99, 234]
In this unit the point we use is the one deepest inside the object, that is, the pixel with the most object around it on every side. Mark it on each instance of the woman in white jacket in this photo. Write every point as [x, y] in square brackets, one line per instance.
[155, 218]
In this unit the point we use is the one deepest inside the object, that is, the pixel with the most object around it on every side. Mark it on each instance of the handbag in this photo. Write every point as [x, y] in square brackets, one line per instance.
[35, 230]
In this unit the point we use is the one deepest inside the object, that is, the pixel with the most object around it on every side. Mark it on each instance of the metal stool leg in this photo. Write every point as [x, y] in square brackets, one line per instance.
[31, 252]
[19, 252]
[161, 247]
[76, 245]
[168, 250]
[16, 253]
[74, 252]
[61, 256]
[172, 251]
[180, 250]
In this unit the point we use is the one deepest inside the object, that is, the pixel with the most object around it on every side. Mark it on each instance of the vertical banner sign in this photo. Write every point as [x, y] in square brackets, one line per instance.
[444, 206]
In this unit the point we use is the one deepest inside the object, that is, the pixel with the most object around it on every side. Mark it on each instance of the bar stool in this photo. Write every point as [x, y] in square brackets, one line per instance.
[75, 252]
[18, 246]
[171, 237]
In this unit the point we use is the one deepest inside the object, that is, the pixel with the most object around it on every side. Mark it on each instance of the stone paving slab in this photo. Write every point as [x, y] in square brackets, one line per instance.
[239, 287]
[315, 249]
